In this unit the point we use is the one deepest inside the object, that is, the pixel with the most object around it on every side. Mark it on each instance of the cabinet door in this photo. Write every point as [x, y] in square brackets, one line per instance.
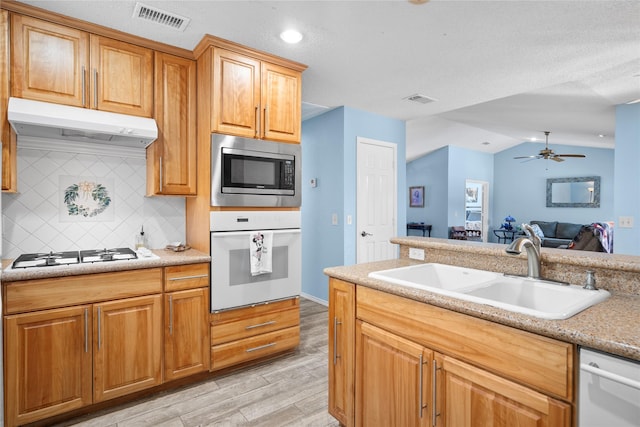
[50, 61]
[121, 77]
[187, 347]
[236, 94]
[8, 138]
[174, 162]
[342, 305]
[47, 363]
[281, 103]
[392, 379]
[127, 346]
[469, 396]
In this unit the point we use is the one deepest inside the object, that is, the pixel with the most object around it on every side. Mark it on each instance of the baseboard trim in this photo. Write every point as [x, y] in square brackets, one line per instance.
[314, 299]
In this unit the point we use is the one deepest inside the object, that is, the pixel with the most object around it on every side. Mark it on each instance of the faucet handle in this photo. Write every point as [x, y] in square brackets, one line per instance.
[590, 282]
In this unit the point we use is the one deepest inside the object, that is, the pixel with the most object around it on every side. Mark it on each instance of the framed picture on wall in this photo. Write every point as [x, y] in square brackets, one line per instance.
[416, 197]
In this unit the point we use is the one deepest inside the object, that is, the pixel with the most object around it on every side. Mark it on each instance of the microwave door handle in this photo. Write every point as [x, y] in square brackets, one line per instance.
[223, 234]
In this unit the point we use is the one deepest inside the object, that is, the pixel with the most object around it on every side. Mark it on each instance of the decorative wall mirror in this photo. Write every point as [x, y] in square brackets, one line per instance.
[581, 192]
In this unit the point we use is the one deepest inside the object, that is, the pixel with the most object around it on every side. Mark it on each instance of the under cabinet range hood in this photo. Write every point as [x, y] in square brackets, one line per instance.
[47, 120]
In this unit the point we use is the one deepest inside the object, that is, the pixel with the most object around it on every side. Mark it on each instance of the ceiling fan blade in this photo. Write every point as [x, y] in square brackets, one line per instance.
[571, 155]
[556, 159]
[527, 157]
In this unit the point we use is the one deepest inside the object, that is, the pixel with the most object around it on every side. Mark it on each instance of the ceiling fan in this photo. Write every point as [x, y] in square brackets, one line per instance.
[548, 153]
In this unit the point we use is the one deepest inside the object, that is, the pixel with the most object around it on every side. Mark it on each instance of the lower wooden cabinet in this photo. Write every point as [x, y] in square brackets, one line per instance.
[186, 333]
[48, 358]
[468, 396]
[250, 333]
[342, 308]
[393, 380]
[419, 365]
[127, 346]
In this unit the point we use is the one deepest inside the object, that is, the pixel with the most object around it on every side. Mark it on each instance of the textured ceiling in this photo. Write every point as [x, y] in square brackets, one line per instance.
[501, 71]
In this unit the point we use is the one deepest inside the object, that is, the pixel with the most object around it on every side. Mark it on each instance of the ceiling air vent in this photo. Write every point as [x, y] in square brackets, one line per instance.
[159, 16]
[420, 99]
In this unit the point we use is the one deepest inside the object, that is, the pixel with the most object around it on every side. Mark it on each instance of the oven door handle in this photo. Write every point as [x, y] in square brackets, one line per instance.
[246, 233]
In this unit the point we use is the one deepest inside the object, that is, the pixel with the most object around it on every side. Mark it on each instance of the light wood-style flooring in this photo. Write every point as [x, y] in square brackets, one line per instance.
[288, 391]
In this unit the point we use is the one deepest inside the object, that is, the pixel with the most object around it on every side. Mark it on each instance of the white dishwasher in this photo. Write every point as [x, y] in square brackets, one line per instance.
[609, 390]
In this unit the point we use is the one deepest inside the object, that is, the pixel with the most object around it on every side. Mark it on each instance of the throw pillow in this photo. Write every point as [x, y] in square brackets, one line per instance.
[536, 230]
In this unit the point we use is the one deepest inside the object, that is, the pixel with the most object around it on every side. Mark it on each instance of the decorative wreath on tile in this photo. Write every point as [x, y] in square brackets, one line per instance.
[86, 198]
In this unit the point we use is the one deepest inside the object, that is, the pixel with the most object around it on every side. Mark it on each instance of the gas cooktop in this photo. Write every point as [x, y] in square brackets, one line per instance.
[73, 257]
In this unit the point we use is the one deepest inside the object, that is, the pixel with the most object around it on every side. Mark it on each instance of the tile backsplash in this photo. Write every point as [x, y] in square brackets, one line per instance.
[31, 221]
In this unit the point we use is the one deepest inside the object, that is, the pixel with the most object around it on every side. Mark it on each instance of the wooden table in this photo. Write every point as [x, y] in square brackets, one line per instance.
[419, 226]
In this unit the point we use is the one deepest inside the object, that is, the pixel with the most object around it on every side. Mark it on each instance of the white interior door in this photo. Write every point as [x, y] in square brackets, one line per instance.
[477, 208]
[376, 200]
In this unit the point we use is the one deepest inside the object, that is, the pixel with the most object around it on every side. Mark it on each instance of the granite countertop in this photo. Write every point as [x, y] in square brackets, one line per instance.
[162, 258]
[611, 326]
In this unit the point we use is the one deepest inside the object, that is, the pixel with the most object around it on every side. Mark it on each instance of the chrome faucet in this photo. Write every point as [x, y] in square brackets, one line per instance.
[531, 244]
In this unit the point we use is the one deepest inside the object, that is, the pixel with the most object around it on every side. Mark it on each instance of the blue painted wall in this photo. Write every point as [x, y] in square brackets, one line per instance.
[515, 188]
[520, 188]
[443, 174]
[627, 177]
[329, 155]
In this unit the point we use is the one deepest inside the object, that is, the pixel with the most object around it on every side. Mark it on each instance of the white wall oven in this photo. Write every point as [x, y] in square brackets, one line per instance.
[256, 257]
[249, 172]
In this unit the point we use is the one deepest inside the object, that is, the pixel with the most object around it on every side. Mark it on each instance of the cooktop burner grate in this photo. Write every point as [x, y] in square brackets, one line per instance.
[73, 257]
[46, 259]
[101, 255]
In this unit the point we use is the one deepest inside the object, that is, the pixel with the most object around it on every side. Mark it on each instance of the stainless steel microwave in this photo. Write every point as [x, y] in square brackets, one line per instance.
[251, 172]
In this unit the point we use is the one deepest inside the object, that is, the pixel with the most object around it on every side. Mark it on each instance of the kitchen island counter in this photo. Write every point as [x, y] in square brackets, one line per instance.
[162, 258]
[610, 326]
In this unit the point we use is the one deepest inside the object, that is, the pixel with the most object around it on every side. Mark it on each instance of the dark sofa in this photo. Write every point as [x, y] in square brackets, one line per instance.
[557, 233]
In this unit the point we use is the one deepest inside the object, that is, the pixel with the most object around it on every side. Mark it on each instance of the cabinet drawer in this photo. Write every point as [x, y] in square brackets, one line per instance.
[181, 277]
[255, 325]
[39, 294]
[252, 348]
[543, 363]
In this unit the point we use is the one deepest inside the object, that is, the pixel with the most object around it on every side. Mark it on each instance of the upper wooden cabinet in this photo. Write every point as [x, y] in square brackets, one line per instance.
[58, 64]
[122, 77]
[171, 159]
[255, 98]
[8, 138]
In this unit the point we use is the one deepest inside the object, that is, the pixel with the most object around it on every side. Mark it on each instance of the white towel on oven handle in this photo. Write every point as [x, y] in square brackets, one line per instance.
[260, 248]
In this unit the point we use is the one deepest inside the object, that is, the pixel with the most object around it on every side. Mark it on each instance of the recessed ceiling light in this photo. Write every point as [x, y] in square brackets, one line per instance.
[291, 36]
[601, 135]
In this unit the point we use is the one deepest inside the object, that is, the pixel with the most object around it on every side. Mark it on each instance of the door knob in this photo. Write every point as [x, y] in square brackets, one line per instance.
[365, 234]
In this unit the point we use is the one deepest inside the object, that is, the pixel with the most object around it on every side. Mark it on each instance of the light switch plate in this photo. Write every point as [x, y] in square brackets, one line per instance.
[415, 253]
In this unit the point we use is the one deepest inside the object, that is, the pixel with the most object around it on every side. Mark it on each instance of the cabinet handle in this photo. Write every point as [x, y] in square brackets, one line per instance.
[335, 340]
[84, 86]
[257, 120]
[86, 330]
[199, 276]
[260, 347]
[170, 314]
[95, 88]
[270, 322]
[160, 167]
[420, 391]
[265, 122]
[99, 329]
[434, 393]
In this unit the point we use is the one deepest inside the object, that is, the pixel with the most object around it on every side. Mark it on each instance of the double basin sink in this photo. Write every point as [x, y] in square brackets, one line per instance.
[535, 297]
